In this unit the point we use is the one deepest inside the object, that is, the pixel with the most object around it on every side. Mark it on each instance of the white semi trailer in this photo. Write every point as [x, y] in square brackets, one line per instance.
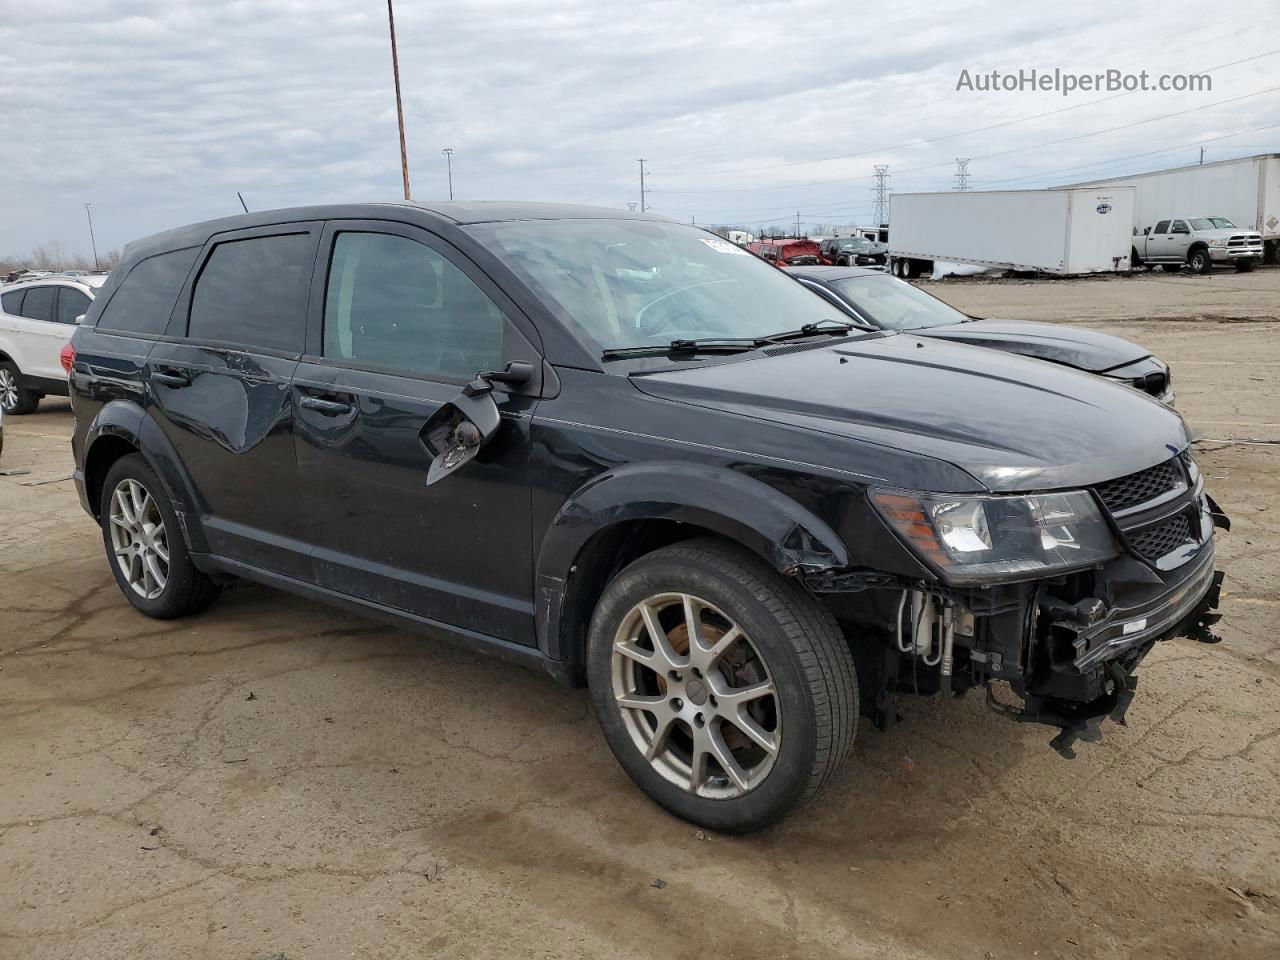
[1245, 191]
[1058, 231]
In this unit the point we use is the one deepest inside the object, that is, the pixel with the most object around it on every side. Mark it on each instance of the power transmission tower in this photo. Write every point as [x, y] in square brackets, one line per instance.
[962, 173]
[882, 194]
[643, 189]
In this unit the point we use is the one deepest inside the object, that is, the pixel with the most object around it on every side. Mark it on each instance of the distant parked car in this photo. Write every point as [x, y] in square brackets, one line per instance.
[882, 302]
[853, 252]
[787, 251]
[37, 318]
[1199, 243]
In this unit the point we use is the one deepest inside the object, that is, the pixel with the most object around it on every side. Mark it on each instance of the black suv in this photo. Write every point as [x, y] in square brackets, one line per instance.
[629, 452]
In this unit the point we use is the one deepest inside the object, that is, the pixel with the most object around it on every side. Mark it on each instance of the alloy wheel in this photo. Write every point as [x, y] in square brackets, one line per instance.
[8, 390]
[696, 696]
[139, 539]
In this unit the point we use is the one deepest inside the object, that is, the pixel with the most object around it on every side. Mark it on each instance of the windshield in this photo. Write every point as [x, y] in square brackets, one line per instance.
[630, 283]
[894, 305]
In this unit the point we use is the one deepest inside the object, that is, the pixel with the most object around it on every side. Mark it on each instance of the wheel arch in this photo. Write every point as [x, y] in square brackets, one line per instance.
[121, 428]
[625, 513]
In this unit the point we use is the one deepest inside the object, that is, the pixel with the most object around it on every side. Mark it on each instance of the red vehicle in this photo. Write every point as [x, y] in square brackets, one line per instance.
[787, 251]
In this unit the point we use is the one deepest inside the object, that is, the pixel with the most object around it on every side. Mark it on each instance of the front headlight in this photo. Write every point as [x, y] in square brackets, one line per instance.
[1217, 243]
[967, 538]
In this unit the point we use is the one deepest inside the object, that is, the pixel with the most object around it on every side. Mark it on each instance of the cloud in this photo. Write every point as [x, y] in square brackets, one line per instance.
[158, 112]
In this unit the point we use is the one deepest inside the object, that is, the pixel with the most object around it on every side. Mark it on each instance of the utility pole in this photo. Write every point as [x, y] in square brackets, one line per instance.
[643, 191]
[881, 195]
[92, 242]
[1202, 156]
[395, 70]
[448, 159]
[797, 224]
[962, 173]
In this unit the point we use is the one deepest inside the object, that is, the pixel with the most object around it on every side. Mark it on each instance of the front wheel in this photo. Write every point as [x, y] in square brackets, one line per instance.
[1199, 261]
[145, 546]
[15, 398]
[726, 691]
[1244, 266]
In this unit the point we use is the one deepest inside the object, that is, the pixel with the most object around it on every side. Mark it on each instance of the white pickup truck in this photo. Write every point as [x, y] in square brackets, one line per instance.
[37, 318]
[1197, 242]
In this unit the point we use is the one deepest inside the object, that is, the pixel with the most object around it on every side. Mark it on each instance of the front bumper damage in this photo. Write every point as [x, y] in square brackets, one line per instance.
[1067, 646]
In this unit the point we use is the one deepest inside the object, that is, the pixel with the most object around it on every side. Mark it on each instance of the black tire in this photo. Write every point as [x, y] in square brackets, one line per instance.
[1135, 261]
[800, 645]
[1199, 260]
[186, 589]
[908, 269]
[1245, 266]
[1170, 267]
[15, 398]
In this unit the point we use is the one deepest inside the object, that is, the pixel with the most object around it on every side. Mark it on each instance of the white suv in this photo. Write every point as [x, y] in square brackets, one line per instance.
[37, 318]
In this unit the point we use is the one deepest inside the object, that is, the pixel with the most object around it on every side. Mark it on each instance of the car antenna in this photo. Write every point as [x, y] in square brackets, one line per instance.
[242, 203]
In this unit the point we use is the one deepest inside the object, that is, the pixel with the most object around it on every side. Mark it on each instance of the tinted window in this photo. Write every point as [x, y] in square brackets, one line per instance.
[1162, 226]
[38, 303]
[1180, 227]
[145, 299]
[252, 293]
[71, 303]
[393, 302]
[11, 302]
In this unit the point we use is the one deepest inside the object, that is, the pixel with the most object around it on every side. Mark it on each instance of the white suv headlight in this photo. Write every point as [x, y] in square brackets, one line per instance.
[967, 538]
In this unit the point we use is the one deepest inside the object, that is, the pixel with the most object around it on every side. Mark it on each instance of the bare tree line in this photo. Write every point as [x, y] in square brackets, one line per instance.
[54, 256]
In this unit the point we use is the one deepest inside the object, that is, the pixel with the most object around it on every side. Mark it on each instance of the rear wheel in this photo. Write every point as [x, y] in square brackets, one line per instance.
[726, 691]
[1199, 261]
[145, 546]
[15, 398]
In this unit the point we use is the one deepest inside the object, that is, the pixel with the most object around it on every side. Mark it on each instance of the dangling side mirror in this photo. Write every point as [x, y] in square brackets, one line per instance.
[455, 433]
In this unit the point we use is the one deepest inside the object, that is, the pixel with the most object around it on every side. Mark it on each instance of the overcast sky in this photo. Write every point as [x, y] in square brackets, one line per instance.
[158, 111]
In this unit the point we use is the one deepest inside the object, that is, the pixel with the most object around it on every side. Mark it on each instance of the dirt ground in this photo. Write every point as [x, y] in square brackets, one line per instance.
[276, 779]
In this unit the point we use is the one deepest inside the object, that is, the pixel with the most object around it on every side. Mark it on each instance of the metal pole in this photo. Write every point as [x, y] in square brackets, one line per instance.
[448, 158]
[92, 242]
[395, 70]
[641, 162]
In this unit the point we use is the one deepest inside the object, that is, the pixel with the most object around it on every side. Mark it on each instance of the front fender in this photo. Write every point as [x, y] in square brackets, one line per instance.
[792, 538]
[127, 421]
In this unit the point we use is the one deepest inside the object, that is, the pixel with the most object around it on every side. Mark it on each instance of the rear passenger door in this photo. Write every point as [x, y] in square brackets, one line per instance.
[219, 382]
[400, 321]
[39, 338]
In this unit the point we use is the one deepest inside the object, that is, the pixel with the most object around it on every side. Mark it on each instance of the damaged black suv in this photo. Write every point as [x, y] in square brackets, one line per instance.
[627, 452]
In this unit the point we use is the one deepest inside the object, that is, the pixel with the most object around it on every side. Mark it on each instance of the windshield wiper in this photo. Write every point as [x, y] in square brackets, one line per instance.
[705, 345]
[731, 344]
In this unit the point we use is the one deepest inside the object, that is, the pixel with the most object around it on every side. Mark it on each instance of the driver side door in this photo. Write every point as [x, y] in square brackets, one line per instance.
[400, 321]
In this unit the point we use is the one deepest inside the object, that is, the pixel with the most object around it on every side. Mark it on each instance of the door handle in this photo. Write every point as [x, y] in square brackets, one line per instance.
[330, 408]
[172, 378]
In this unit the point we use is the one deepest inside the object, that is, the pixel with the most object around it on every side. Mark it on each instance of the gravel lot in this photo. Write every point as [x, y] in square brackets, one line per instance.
[276, 779]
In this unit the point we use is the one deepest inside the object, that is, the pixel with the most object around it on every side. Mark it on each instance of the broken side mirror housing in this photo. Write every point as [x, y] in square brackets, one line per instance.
[455, 433]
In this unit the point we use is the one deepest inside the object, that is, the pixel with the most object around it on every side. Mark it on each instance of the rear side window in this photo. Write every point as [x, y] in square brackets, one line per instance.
[71, 303]
[1162, 226]
[146, 297]
[11, 302]
[397, 303]
[252, 293]
[38, 304]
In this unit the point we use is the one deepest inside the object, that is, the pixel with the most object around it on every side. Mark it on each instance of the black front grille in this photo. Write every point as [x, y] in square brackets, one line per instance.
[1140, 487]
[1162, 538]
[1153, 383]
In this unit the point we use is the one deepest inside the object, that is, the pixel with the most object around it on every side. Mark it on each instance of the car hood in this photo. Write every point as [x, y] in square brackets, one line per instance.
[1011, 423]
[1074, 346]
